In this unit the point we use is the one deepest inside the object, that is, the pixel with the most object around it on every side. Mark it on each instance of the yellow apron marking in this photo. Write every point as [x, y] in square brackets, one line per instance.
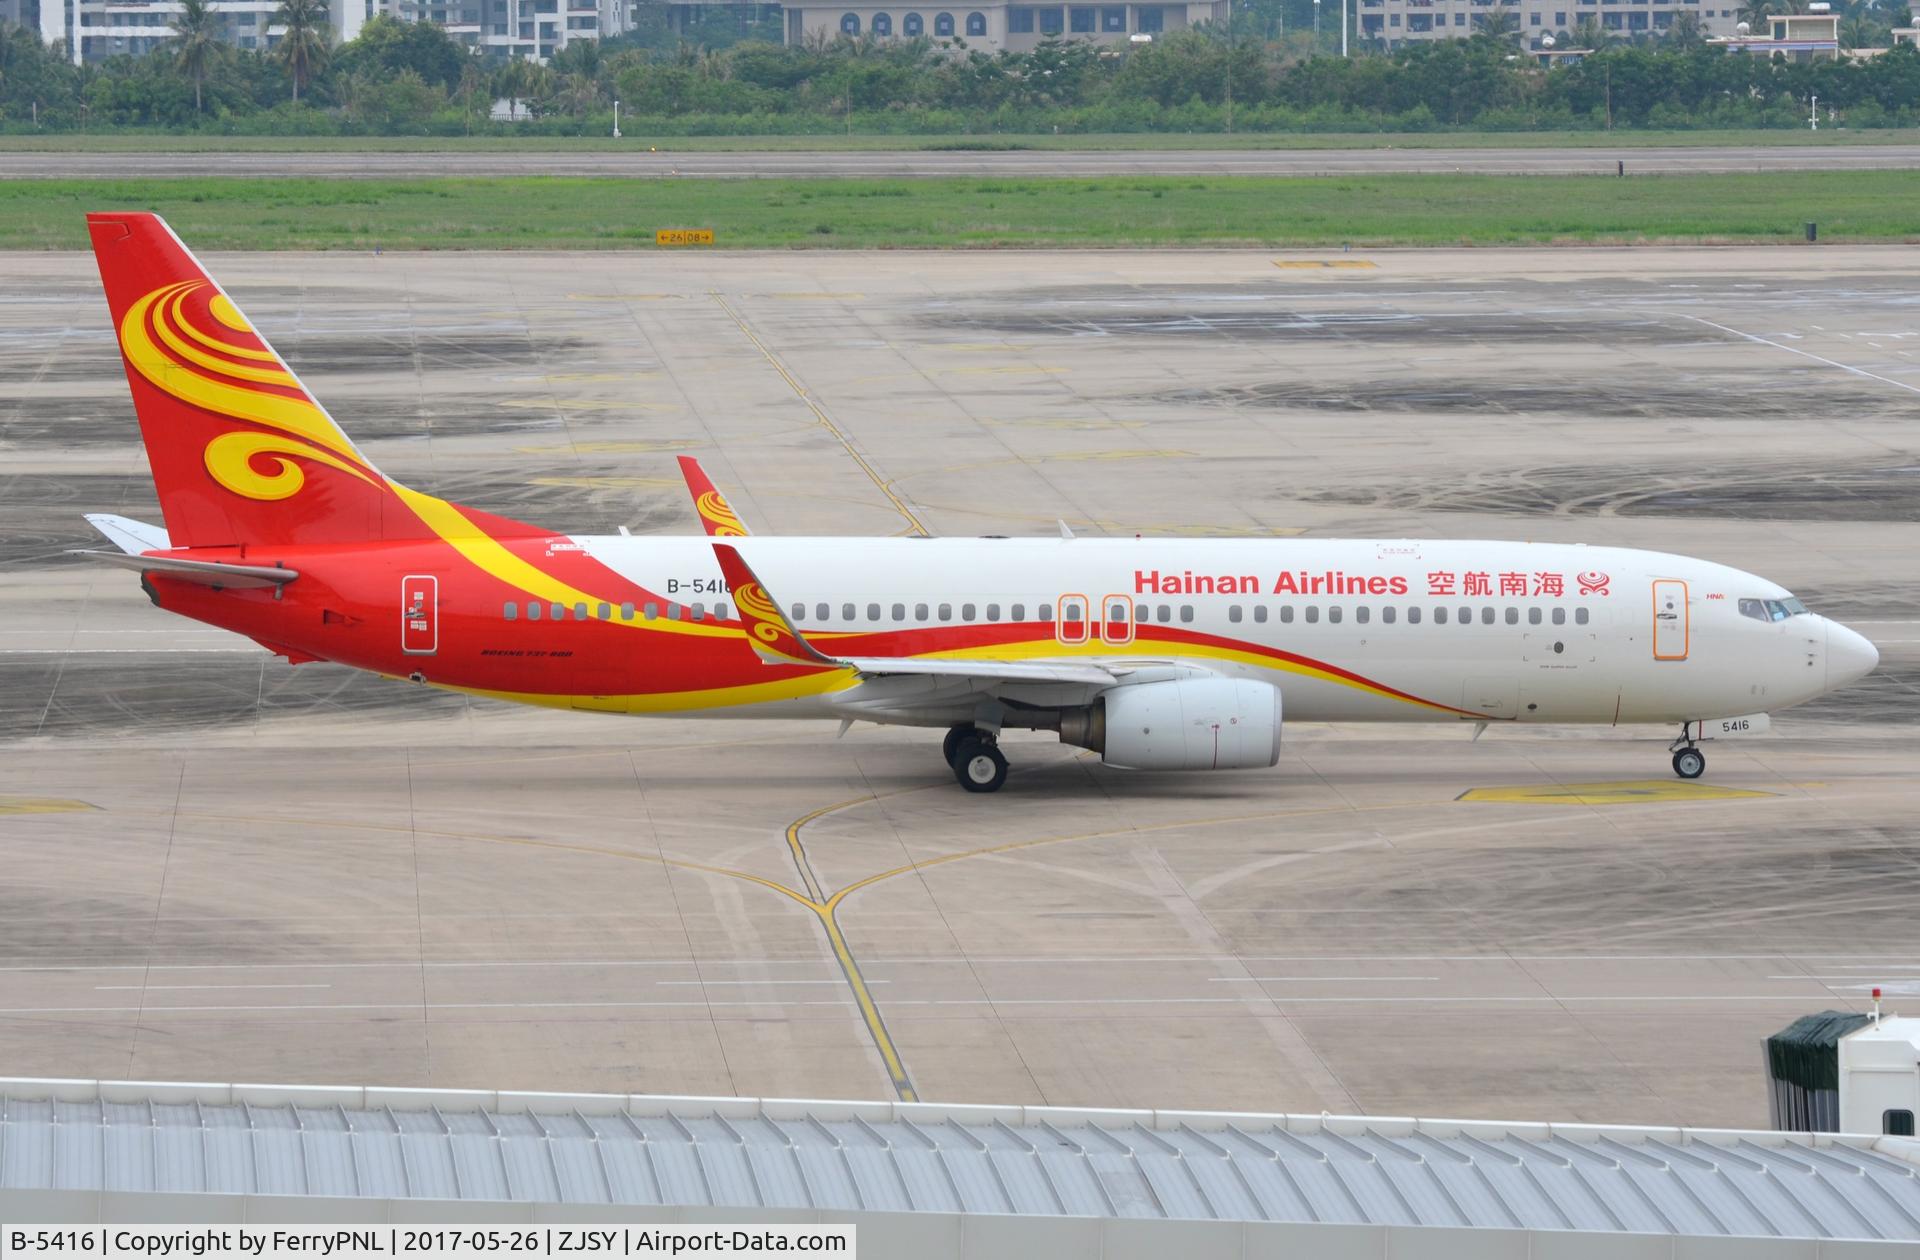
[40, 805]
[825, 421]
[607, 448]
[1628, 792]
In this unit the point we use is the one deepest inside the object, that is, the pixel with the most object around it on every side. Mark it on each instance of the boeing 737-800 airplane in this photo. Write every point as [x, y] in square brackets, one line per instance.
[1158, 654]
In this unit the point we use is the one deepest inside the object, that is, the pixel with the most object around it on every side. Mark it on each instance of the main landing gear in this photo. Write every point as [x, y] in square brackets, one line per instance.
[976, 758]
[1688, 761]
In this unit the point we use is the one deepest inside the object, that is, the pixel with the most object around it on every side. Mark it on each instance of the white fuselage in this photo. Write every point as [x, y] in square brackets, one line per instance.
[1349, 630]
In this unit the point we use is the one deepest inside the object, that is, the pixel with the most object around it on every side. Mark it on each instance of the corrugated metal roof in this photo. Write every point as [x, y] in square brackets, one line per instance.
[897, 1157]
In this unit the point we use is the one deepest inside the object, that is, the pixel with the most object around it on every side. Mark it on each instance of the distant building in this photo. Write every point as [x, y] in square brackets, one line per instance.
[98, 29]
[1810, 36]
[1396, 23]
[994, 27]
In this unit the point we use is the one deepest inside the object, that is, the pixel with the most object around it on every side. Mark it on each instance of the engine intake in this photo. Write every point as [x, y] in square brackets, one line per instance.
[1181, 724]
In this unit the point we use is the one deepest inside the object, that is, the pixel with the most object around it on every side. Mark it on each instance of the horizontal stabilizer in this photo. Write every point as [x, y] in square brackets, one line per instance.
[232, 577]
[131, 536]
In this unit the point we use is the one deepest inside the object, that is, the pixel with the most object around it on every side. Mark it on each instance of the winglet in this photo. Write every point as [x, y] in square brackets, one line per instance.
[716, 514]
[772, 635]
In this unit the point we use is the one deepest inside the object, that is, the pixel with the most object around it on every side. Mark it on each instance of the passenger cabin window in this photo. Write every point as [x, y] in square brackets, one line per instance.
[699, 612]
[1186, 612]
[1233, 614]
[946, 612]
[511, 611]
[993, 612]
[822, 612]
[1440, 616]
[1580, 616]
[1513, 616]
[1163, 613]
[1046, 612]
[1362, 614]
[1333, 615]
[919, 612]
[1313, 613]
[899, 612]
[1388, 613]
[626, 612]
[559, 612]
[1413, 615]
[579, 612]
[606, 612]
[533, 612]
[873, 612]
[1533, 616]
[1260, 612]
[1286, 612]
[650, 611]
[1559, 616]
[1486, 616]
[1019, 612]
[720, 611]
[967, 612]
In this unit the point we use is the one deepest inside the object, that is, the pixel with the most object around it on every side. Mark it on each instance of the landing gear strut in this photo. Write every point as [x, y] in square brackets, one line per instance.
[1688, 761]
[976, 759]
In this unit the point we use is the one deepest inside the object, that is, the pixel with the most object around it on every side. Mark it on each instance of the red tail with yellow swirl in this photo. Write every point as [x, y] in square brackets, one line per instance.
[241, 452]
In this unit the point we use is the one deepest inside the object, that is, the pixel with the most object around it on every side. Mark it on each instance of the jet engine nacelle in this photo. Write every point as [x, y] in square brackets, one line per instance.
[1181, 724]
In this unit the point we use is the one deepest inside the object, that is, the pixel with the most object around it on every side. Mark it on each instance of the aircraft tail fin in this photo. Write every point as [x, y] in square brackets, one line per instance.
[716, 514]
[241, 452]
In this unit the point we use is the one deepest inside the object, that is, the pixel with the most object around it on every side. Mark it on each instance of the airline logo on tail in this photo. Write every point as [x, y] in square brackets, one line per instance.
[190, 342]
[716, 514]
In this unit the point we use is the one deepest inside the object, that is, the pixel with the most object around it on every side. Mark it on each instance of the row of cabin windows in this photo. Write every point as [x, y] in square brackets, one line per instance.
[604, 612]
[1072, 614]
[1363, 613]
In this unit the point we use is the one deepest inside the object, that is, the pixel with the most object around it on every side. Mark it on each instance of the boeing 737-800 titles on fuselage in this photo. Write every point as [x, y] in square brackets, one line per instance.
[1158, 654]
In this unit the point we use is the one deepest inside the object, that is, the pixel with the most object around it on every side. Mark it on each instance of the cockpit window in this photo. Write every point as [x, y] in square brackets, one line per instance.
[1772, 609]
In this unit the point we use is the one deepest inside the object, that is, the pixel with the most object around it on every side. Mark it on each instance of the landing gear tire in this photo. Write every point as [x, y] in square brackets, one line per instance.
[1689, 763]
[951, 745]
[979, 765]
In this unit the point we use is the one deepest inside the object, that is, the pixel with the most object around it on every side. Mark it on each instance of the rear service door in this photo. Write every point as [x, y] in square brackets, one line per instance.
[419, 614]
[1670, 628]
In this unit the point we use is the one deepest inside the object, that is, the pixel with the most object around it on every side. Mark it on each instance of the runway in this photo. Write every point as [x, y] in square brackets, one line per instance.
[221, 866]
[640, 163]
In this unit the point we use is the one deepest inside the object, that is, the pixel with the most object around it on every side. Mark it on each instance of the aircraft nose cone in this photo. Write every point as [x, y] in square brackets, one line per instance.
[1850, 656]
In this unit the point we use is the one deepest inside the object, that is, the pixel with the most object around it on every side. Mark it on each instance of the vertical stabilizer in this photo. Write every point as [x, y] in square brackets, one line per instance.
[240, 451]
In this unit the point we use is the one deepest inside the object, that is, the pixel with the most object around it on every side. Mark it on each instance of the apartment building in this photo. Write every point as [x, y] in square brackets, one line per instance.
[1399, 22]
[993, 27]
[98, 29]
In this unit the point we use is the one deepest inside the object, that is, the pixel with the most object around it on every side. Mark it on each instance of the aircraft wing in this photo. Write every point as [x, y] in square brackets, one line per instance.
[777, 642]
[716, 514]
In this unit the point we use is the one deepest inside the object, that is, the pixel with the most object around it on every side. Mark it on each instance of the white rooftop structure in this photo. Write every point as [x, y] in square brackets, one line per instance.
[1879, 1071]
[73, 1150]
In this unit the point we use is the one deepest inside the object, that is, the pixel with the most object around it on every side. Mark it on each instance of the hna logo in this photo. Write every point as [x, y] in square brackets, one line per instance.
[1593, 583]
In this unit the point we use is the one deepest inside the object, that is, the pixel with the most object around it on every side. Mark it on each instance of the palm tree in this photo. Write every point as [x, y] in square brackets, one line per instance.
[1686, 32]
[1754, 13]
[1500, 26]
[303, 46]
[1858, 32]
[197, 43]
[1590, 35]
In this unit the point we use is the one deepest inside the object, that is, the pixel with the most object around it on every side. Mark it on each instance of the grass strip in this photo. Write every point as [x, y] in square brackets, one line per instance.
[151, 142]
[1126, 211]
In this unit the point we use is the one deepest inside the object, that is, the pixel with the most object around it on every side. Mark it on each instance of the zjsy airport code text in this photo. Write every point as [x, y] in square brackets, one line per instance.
[163, 1242]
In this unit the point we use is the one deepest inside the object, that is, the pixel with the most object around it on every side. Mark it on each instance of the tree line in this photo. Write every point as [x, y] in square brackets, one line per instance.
[411, 78]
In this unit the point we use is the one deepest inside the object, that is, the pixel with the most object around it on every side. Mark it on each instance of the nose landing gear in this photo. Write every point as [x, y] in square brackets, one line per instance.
[1688, 761]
